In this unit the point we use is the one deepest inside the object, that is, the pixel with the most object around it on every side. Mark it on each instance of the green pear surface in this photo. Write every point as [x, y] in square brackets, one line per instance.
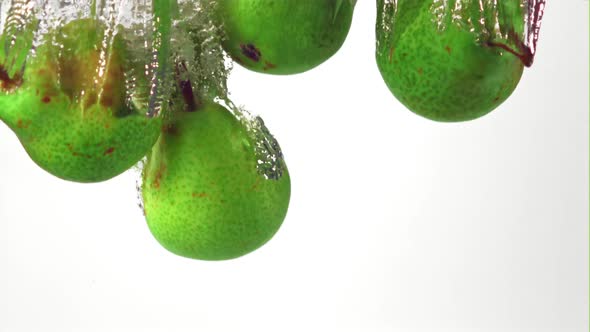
[439, 67]
[284, 36]
[71, 111]
[204, 194]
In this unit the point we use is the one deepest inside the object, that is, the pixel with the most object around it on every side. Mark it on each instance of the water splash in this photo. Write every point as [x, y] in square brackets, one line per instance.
[270, 160]
[138, 170]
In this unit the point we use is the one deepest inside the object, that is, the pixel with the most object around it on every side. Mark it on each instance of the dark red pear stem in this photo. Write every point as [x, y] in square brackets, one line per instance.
[8, 83]
[192, 102]
[524, 53]
[527, 46]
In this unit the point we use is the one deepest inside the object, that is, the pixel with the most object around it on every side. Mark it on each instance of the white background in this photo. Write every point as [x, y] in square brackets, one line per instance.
[396, 223]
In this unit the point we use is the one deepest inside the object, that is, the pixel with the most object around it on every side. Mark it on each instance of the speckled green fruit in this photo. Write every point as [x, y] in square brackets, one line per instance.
[284, 36]
[75, 120]
[442, 74]
[204, 197]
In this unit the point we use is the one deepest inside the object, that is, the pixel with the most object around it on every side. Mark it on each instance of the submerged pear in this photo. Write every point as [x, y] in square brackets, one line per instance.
[71, 107]
[284, 36]
[442, 60]
[215, 186]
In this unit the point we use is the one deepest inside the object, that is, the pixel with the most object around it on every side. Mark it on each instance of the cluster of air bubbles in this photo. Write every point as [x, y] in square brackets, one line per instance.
[138, 170]
[148, 79]
[197, 43]
[17, 27]
[270, 161]
[386, 15]
[534, 18]
[482, 17]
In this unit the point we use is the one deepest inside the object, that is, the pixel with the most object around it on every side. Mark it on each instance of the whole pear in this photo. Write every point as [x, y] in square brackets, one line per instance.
[71, 107]
[439, 60]
[204, 191]
[284, 36]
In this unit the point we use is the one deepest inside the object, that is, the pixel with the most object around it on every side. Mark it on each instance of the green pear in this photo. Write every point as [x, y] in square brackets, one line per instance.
[442, 59]
[284, 36]
[215, 186]
[71, 107]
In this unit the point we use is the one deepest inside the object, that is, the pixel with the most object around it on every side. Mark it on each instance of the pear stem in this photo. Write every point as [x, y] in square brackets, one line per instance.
[186, 88]
[191, 100]
[524, 53]
[527, 48]
[8, 83]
